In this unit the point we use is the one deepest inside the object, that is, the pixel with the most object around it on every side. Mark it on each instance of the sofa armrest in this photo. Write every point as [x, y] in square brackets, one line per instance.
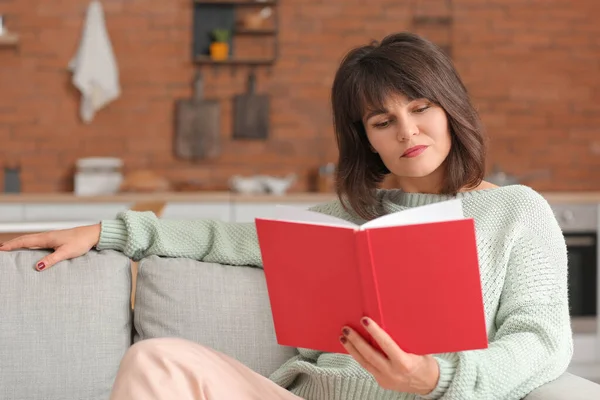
[566, 387]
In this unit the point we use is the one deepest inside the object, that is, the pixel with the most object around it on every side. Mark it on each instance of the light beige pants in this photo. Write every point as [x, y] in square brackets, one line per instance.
[170, 368]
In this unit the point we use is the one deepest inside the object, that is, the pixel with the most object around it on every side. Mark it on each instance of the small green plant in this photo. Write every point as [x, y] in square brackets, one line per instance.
[220, 35]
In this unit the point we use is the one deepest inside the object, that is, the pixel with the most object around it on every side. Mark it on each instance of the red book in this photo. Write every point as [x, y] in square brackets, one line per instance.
[414, 272]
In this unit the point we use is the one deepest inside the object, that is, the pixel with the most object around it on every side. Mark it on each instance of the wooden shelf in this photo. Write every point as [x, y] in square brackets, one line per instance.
[260, 31]
[237, 2]
[234, 61]
[226, 14]
[9, 39]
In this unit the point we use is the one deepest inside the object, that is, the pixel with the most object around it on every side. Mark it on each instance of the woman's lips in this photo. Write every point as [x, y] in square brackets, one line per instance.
[414, 151]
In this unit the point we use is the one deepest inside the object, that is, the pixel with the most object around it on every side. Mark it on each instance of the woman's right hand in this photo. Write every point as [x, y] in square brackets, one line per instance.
[67, 243]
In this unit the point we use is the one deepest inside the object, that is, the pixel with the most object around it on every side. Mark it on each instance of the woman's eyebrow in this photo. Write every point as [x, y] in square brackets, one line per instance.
[375, 112]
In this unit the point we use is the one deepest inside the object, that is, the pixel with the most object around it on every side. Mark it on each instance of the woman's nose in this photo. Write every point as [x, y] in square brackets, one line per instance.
[406, 130]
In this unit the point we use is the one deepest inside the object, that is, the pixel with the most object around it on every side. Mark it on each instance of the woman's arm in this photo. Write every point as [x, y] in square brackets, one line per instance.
[141, 234]
[533, 343]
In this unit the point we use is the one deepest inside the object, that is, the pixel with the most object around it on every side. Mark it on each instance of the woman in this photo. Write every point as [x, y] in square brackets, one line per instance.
[399, 108]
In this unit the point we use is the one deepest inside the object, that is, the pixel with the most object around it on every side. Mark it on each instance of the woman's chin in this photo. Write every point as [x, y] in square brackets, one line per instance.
[415, 172]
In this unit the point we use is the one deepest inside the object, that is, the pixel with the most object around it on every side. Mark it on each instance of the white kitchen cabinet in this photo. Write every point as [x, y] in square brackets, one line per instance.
[204, 210]
[36, 212]
[12, 212]
[247, 211]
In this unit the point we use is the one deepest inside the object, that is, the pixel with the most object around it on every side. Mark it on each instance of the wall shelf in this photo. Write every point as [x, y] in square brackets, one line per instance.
[9, 39]
[234, 61]
[237, 2]
[247, 45]
[246, 31]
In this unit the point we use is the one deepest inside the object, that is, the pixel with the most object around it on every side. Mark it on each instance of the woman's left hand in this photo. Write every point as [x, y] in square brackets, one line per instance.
[394, 369]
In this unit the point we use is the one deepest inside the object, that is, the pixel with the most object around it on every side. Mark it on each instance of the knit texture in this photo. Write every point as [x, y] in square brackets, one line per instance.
[523, 268]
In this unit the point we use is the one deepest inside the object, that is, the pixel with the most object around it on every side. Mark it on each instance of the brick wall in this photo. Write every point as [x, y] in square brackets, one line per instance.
[531, 66]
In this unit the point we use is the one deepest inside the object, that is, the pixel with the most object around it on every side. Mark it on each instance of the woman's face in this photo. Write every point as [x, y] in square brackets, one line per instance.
[411, 137]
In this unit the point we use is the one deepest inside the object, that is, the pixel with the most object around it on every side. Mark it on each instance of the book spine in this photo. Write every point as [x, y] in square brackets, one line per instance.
[370, 294]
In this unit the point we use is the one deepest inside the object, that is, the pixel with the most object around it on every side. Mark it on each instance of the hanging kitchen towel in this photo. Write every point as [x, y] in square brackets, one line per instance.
[95, 71]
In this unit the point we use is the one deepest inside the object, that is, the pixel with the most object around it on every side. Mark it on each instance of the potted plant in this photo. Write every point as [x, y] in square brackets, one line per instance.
[219, 48]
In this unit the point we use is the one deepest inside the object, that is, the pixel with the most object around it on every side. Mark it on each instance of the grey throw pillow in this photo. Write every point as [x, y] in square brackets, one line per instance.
[223, 307]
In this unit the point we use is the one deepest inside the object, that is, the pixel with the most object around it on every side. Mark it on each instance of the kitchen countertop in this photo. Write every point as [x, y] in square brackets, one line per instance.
[164, 196]
[210, 197]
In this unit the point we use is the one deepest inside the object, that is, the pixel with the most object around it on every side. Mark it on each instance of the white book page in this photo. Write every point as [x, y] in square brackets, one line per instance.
[449, 210]
[296, 214]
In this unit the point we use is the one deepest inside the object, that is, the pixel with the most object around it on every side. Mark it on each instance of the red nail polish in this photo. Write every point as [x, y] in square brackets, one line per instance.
[346, 331]
[365, 322]
[41, 266]
[343, 339]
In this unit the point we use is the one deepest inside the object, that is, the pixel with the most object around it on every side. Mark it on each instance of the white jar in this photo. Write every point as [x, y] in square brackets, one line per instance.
[97, 176]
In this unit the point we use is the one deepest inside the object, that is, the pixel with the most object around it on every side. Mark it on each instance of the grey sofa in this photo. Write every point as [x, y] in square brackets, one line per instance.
[64, 331]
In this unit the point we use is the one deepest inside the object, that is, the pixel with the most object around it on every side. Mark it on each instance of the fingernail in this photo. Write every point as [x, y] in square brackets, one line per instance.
[41, 266]
[346, 331]
[365, 321]
[343, 339]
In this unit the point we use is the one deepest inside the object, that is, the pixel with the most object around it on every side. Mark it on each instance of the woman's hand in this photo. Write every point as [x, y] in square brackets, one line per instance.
[67, 243]
[395, 369]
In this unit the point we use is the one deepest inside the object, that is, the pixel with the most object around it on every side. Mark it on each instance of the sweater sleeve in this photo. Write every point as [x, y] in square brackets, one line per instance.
[140, 234]
[533, 342]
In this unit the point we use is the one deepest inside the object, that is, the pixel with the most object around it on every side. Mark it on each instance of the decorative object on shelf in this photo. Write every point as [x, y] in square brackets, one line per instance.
[96, 176]
[256, 20]
[198, 126]
[7, 38]
[219, 48]
[247, 18]
[262, 184]
[251, 113]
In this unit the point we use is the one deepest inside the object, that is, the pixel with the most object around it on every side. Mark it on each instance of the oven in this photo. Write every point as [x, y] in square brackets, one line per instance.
[579, 223]
[582, 250]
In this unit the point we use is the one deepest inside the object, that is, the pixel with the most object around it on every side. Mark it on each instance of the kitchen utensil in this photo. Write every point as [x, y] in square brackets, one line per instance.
[251, 113]
[12, 179]
[197, 125]
[144, 181]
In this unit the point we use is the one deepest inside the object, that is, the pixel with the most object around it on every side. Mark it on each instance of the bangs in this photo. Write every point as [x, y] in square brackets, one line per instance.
[375, 81]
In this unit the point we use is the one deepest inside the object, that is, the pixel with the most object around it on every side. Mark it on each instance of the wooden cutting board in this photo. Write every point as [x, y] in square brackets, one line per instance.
[251, 113]
[198, 125]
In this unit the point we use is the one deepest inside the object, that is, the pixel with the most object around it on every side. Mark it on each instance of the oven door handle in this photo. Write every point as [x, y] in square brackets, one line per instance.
[580, 241]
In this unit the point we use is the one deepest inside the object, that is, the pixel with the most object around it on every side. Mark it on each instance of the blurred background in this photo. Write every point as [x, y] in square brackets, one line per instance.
[218, 109]
[530, 65]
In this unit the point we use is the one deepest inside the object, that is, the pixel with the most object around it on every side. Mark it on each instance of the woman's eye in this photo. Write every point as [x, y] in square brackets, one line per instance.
[382, 124]
[421, 109]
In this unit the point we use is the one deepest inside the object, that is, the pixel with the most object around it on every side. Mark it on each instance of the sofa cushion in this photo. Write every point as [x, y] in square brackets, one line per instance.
[566, 387]
[223, 307]
[63, 331]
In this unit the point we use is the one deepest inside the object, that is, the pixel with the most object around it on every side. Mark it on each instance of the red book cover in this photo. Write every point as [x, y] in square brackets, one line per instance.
[415, 272]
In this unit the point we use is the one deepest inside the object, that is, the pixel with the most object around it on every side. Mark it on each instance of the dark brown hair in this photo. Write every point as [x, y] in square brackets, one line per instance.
[413, 66]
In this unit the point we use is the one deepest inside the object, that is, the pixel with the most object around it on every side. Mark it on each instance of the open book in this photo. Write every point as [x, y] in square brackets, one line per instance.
[414, 272]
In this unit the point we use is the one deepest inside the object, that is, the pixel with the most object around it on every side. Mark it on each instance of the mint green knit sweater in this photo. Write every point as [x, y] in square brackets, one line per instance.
[523, 262]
